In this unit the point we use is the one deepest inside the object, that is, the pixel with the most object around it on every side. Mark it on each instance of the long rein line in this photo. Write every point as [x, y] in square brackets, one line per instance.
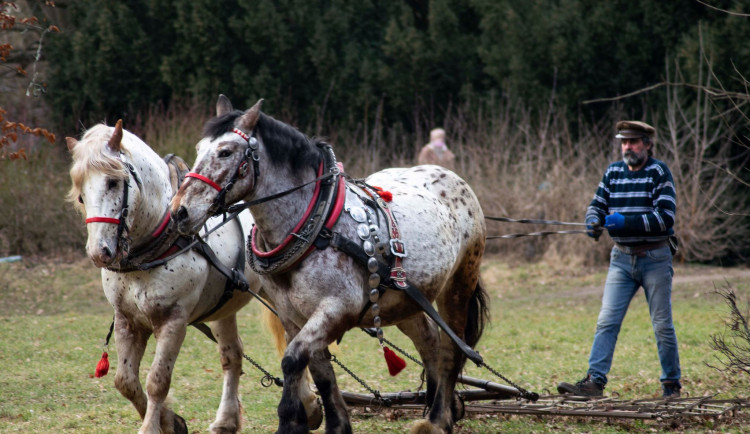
[236, 208]
[535, 222]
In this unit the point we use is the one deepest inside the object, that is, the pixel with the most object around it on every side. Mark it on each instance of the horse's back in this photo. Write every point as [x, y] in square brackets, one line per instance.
[431, 188]
[438, 215]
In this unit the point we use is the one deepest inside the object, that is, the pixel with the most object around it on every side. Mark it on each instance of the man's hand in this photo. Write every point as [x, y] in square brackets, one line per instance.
[614, 221]
[594, 227]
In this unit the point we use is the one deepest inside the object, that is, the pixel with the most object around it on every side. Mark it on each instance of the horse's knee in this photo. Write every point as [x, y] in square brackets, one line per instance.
[291, 365]
[127, 385]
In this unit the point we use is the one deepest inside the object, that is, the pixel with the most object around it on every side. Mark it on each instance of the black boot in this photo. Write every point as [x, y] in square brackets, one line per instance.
[671, 390]
[585, 387]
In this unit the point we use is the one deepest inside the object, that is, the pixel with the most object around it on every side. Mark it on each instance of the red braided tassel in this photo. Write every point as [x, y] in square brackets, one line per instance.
[386, 195]
[103, 366]
[395, 363]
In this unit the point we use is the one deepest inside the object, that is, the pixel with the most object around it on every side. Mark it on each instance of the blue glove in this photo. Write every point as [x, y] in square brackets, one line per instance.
[594, 227]
[614, 221]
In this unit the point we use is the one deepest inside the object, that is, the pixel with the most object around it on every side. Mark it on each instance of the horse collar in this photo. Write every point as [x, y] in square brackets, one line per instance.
[322, 213]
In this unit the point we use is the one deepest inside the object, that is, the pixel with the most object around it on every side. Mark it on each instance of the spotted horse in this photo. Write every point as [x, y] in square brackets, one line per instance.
[122, 188]
[334, 253]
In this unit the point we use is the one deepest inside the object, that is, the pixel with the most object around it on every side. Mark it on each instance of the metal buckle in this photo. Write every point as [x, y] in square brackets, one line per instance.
[396, 242]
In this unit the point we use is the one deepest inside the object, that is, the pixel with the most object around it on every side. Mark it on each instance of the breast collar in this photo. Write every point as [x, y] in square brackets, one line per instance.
[322, 213]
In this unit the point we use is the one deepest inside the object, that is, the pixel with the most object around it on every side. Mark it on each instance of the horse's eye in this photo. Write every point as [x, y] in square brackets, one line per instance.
[224, 153]
[112, 183]
[80, 199]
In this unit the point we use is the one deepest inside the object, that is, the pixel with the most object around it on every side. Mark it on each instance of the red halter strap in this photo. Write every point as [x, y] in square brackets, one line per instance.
[114, 221]
[198, 176]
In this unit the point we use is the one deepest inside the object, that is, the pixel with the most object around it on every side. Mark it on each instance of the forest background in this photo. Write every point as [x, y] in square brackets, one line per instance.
[528, 92]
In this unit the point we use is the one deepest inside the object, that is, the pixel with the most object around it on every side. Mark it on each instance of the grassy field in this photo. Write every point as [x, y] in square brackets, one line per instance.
[53, 319]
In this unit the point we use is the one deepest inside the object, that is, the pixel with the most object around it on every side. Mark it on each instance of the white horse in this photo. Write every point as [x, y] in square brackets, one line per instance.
[423, 233]
[123, 188]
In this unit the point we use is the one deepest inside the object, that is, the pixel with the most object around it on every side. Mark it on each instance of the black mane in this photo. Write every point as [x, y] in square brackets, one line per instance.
[284, 143]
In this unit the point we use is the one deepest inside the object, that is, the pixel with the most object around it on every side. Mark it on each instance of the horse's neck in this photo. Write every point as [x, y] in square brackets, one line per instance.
[155, 191]
[275, 219]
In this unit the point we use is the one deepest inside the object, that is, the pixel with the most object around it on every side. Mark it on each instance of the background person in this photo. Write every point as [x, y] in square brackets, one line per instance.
[436, 152]
[635, 202]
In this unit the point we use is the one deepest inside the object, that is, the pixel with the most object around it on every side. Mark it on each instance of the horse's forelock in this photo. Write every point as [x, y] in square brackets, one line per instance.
[92, 155]
[218, 126]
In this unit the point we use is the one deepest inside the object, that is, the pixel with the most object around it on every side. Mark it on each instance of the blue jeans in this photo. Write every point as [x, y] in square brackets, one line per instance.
[626, 274]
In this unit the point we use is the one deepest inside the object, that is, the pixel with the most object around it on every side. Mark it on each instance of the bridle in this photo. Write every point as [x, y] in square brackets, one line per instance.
[122, 226]
[250, 154]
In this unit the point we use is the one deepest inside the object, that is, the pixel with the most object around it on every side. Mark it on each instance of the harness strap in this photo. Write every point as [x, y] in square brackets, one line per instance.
[353, 249]
[235, 277]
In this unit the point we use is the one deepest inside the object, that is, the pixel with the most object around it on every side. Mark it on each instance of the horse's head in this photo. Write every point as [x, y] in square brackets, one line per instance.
[104, 190]
[225, 170]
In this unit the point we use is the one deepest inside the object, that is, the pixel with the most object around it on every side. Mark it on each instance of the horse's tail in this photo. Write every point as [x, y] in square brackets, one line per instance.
[273, 324]
[478, 315]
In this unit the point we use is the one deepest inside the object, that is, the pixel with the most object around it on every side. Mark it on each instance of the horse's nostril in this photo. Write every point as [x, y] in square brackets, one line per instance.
[181, 214]
[106, 252]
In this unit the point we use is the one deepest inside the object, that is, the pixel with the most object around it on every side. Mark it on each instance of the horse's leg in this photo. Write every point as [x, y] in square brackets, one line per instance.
[337, 419]
[169, 334]
[307, 395]
[424, 333]
[464, 311]
[131, 344]
[309, 345]
[228, 419]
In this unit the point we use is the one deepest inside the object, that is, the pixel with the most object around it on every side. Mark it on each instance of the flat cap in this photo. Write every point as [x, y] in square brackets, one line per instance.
[633, 130]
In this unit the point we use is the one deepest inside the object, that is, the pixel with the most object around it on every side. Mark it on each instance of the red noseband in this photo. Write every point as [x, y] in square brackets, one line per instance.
[204, 179]
[103, 220]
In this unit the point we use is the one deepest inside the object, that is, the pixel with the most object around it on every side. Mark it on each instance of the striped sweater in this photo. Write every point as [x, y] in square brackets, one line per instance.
[646, 198]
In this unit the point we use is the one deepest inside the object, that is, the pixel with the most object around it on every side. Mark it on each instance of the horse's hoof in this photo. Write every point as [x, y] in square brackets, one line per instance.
[458, 409]
[180, 426]
[425, 427]
[315, 418]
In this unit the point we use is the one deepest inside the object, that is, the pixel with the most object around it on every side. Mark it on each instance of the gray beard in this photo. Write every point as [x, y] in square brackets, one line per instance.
[632, 159]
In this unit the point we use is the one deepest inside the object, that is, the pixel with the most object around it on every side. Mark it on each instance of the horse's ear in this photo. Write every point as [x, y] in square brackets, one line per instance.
[71, 143]
[250, 118]
[116, 140]
[223, 105]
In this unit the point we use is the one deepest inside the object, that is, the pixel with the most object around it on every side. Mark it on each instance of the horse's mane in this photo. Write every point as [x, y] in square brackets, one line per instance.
[91, 154]
[284, 143]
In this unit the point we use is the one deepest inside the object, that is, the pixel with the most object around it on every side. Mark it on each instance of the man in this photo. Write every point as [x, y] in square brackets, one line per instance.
[635, 202]
[436, 152]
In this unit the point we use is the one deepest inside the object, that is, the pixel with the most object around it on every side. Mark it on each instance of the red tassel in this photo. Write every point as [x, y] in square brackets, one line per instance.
[386, 195]
[395, 363]
[103, 366]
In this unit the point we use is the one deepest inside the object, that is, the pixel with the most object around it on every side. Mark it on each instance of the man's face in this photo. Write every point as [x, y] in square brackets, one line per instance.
[634, 152]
